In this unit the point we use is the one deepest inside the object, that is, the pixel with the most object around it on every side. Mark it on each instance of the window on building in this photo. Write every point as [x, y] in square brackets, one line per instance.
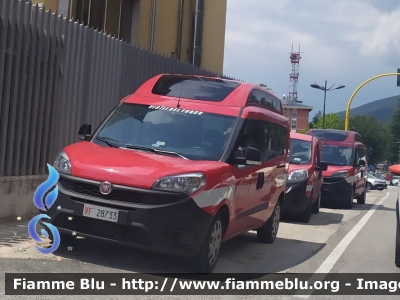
[294, 124]
[294, 113]
[113, 17]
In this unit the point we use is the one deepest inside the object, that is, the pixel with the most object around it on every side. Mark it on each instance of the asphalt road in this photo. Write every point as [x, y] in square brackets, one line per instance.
[361, 240]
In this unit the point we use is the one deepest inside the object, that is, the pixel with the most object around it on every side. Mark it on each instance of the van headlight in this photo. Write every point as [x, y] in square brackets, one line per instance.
[298, 174]
[186, 183]
[62, 163]
[341, 174]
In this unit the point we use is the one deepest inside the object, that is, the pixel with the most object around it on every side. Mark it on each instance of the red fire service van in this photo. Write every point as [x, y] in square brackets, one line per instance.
[303, 187]
[181, 165]
[346, 156]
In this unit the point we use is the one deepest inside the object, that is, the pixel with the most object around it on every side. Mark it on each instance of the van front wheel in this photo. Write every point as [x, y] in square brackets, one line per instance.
[269, 231]
[206, 260]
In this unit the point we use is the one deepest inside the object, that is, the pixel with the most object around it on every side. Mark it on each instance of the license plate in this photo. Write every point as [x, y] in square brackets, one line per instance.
[101, 213]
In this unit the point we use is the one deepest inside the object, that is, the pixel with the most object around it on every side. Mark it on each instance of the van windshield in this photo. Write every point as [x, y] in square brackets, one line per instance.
[300, 152]
[337, 155]
[192, 134]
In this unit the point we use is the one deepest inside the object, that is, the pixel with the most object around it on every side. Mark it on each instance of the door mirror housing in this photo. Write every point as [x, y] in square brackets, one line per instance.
[252, 157]
[322, 166]
[85, 132]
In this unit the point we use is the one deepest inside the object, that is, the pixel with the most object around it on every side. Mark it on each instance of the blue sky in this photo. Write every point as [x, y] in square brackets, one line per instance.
[343, 41]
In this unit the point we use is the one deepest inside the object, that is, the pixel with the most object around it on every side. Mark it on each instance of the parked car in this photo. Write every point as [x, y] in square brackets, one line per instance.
[347, 158]
[396, 170]
[374, 183]
[303, 188]
[180, 166]
[394, 180]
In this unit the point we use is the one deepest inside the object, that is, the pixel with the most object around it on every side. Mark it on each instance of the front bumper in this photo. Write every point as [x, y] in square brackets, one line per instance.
[296, 198]
[379, 186]
[162, 222]
[336, 189]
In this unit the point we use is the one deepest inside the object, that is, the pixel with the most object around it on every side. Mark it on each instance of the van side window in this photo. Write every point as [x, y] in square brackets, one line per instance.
[269, 138]
[360, 154]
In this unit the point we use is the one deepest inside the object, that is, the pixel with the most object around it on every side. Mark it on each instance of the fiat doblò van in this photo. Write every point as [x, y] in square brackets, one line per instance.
[181, 165]
[303, 188]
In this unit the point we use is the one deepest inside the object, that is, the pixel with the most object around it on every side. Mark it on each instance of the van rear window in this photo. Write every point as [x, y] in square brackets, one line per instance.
[330, 135]
[193, 87]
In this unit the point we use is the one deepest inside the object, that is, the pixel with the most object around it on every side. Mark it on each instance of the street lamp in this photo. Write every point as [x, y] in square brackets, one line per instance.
[316, 86]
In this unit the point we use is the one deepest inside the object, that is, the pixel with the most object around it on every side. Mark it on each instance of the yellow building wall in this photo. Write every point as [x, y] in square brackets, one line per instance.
[214, 23]
[166, 33]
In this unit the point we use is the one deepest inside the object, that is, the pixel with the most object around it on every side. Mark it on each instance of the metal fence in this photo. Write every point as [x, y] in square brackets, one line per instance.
[55, 75]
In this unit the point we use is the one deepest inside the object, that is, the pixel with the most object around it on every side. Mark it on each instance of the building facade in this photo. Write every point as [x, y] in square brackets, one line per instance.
[298, 115]
[191, 31]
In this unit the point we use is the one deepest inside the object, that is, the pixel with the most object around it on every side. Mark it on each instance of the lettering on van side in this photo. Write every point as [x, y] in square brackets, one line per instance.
[186, 111]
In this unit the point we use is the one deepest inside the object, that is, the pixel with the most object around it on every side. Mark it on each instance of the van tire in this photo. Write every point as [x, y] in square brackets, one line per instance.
[361, 198]
[305, 216]
[349, 203]
[269, 231]
[317, 205]
[203, 263]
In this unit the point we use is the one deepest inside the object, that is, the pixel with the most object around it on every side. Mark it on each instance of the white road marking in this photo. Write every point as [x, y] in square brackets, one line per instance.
[334, 256]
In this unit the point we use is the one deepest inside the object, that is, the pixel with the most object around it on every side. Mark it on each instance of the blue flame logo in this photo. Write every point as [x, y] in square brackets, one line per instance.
[44, 204]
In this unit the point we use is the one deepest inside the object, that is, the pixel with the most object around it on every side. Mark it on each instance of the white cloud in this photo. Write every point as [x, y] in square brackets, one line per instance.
[344, 41]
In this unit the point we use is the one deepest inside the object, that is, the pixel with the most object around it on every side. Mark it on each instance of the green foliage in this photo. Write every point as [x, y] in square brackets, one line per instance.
[394, 128]
[332, 121]
[265, 86]
[304, 131]
[375, 135]
[316, 117]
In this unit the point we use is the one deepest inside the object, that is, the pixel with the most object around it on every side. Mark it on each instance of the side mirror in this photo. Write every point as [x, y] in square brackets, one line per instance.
[85, 132]
[361, 163]
[322, 166]
[252, 157]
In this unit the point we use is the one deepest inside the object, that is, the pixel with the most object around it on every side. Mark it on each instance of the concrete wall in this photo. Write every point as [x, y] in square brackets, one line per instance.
[16, 196]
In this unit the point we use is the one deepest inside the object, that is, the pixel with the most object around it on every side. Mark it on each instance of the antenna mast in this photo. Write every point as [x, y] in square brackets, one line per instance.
[294, 77]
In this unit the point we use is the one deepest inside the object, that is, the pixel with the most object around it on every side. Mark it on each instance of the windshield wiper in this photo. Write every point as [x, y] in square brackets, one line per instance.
[107, 142]
[157, 151]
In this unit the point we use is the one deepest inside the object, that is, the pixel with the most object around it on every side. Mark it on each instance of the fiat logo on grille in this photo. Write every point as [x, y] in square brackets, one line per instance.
[105, 188]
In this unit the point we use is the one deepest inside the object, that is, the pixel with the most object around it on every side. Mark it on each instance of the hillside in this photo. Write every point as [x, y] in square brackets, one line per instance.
[380, 109]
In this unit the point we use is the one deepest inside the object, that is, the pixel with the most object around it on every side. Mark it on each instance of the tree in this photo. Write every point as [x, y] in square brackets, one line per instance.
[332, 121]
[317, 116]
[394, 129]
[374, 134]
[265, 86]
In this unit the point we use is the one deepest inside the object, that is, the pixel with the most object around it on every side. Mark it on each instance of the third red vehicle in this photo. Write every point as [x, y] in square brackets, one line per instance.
[346, 155]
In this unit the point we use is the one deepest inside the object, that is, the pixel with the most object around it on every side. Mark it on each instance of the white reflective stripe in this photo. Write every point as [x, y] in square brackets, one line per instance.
[350, 179]
[213, 197]
[309, 188]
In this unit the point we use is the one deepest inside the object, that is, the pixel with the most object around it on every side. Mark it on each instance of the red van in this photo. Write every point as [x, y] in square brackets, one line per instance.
[303, 187]
[181, 165]
[346, 156]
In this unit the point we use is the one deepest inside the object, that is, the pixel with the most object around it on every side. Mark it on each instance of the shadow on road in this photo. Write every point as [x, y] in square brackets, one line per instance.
[238, 255]
[320, 219]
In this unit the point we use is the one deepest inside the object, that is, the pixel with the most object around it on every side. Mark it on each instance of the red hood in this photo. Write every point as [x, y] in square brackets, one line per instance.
[333, 169]
[126, 167]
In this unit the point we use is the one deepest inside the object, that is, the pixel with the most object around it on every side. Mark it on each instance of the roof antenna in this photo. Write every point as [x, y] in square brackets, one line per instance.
[180, 94]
